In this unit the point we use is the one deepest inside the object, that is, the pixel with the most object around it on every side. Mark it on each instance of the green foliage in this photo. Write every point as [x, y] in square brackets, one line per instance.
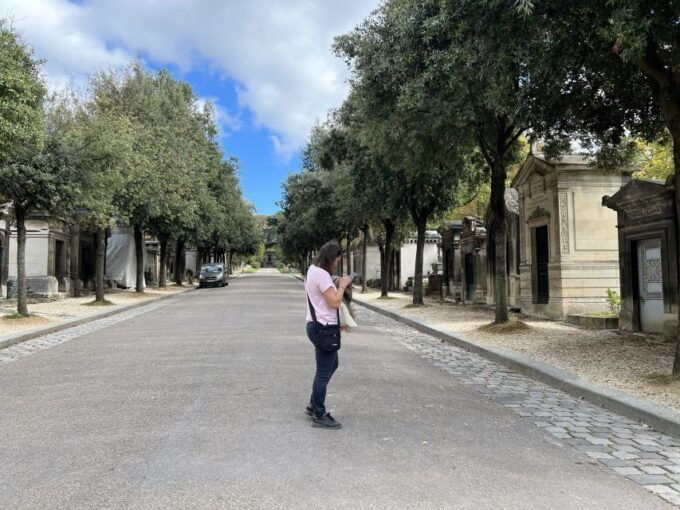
[308, 218]
[613, 301]
[12, 316]
[136, 148]
[22, 92]
[36, 169]
[654, 159]
[176, 181]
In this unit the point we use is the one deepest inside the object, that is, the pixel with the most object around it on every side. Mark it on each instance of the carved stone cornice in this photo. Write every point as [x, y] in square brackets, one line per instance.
[564, 222]
[538, 213]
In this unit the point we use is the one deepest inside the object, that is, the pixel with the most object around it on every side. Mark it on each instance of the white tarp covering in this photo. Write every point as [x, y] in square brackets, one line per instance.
[121, 262]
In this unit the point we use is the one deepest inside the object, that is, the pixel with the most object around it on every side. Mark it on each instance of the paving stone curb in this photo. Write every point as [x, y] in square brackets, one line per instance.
[660, 418]
[14, 339]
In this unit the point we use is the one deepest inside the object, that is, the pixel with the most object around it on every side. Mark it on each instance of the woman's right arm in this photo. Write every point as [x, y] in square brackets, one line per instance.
[334, 297]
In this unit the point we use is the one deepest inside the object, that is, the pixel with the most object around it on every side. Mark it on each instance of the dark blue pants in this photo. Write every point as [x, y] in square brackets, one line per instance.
[326, 365]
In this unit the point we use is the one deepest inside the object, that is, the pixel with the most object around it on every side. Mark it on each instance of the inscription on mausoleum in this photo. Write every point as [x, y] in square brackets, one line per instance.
[536, 186]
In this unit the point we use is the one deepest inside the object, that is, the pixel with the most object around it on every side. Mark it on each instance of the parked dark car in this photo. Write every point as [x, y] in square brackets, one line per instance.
[212, 275]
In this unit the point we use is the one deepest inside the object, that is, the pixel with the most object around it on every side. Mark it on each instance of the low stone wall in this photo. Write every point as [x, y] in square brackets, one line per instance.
[593, 321]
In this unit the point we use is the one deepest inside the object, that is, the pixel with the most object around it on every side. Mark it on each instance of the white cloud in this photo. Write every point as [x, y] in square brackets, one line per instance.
[223, 118]
[278, 50]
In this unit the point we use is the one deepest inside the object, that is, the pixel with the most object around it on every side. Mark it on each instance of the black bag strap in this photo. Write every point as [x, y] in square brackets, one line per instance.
[311, 309]
[313, 312]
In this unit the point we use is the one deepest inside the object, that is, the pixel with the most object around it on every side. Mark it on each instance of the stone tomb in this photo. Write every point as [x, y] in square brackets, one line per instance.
[48, 246]
[512, 259]
[60, 257]
[568, 241]
[648, 257]
[407, 255]
[473, 261]
[450, 246]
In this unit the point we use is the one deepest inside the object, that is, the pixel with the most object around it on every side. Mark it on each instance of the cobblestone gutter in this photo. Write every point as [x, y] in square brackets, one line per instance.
[661, 418]
[17, 351]
[631, 449]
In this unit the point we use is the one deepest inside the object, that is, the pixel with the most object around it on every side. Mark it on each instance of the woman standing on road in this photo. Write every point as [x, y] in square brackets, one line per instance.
[323, 327]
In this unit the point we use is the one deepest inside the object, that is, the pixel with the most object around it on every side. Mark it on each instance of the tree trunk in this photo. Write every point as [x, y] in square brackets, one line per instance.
[163, 276]
[139, 254]
[364, 268]
[421, 225]
[180, 262]
[497, 201]
[675, 132]
[343, 253]
[386, 257]
[22, 291]
[390, 272]
[100, 260]
[350, 256]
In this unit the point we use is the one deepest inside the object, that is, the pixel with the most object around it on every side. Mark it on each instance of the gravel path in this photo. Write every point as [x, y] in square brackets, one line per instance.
[629, 362]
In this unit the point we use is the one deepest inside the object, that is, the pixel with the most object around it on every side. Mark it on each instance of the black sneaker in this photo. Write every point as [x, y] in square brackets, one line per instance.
[326, 422]
[309, 411]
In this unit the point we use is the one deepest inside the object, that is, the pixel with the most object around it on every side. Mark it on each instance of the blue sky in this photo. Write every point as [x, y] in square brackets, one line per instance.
[262, 169]
[266, 64]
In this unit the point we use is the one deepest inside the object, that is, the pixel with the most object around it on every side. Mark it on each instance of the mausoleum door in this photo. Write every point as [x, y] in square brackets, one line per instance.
[542, 258]
[650, 285]
[59, 260]
[469, 276]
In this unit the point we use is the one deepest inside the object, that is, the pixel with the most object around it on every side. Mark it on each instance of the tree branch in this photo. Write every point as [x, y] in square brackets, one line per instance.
[514, 138]
[483, 147]
[650, 64]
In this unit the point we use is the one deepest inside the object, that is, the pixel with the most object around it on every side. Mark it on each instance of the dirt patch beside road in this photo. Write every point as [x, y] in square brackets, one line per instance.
[60, 310]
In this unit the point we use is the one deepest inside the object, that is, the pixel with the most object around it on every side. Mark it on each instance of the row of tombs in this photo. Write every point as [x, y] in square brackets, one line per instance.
[573, 232]
[60, 258]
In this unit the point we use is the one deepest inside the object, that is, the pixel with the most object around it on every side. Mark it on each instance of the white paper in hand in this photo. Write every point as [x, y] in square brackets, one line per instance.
[346, 317]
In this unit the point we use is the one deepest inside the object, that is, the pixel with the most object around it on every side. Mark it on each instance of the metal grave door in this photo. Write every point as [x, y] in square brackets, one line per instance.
[542, 259]
[650, 285]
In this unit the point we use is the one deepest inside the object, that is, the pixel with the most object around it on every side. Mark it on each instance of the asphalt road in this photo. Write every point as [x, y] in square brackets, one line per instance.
[199, 404]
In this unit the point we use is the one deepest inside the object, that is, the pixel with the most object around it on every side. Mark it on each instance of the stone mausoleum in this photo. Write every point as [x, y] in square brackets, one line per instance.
[648, 240]
[48, 245]
[404, 258]
[569, 248]
[60, 256]
[450, 246]
[473, 261]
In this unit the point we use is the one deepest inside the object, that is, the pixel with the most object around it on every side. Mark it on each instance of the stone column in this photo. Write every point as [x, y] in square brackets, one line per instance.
[74, 269]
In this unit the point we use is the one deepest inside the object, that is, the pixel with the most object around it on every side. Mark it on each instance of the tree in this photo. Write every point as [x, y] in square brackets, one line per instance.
[185, 131]
[36, 172]
[619, 72]
[403, 120]
[134, 92]
[308, 219]
[333, 149]
[22, 93]
[102, 144]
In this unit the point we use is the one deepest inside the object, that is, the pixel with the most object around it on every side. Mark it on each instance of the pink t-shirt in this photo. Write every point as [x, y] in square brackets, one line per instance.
[318, 281]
